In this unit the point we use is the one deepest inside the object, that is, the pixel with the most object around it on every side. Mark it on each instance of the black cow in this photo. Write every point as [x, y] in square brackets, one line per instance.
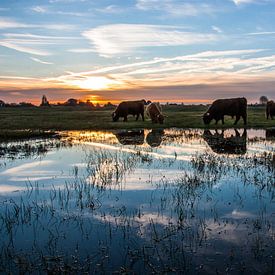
[235, 144]
[234, 107]
[125, 108]
[270, 109]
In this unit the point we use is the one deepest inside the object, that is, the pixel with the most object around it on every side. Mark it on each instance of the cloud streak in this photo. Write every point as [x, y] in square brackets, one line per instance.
[110, 40]
[174, 8]
[41, 61]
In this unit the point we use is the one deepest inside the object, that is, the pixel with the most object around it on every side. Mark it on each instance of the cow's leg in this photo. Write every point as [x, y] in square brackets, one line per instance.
[237, 119]
[137, 116]
[244, 119]
[125, 118]
[142, 115]
[222, 119]
[217, 120]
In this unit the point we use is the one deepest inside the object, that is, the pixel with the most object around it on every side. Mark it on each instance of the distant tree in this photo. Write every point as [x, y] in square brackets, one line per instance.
[25, 104]
[263, 100]
[109, 105]
[71, 102]
[44, 102]
[2, 103]
[89, 103]
[97, 105]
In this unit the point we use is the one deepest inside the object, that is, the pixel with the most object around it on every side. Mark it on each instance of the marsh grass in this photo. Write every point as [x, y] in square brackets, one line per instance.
[89, 224]
[67, 118]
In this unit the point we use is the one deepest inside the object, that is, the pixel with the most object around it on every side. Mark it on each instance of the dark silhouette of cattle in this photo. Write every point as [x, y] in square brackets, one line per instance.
[154, 138]
[125, 108]
[130, 137]
[153, 111]
[270, 109]
[235, 144]
[270, 134]
[234, 107]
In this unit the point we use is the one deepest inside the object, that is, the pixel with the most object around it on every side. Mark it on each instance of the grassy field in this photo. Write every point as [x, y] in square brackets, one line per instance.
[76, 118]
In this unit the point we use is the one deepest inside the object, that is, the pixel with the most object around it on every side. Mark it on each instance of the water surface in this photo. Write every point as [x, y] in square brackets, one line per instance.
[149, 201]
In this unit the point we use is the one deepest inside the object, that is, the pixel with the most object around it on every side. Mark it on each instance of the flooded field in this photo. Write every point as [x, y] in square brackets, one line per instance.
[152, 201]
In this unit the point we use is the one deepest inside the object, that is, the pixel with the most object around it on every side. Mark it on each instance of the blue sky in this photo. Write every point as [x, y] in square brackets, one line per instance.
[169, 50]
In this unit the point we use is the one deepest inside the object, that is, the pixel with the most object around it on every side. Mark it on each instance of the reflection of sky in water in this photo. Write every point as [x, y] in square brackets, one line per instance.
[155, 196]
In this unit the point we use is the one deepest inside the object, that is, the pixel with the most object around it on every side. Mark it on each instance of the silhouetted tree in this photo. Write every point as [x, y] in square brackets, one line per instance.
[25, 104]
[263, 100]
[109, 105]
[89, 103]
[71, 102]
[2, 103]
[44, 102]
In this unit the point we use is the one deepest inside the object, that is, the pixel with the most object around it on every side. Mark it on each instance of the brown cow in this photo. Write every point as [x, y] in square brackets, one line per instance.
[125, 108]
[153, 111]
[270, 109]
[231, 107]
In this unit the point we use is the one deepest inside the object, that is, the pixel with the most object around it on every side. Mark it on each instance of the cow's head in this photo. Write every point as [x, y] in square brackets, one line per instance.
[207, 118]
[115, 116]
[160, 118]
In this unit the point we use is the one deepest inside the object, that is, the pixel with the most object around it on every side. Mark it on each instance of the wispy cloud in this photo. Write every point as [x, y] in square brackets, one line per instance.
[83, 50]
[31, 43]
[109, 40]
[176, 8]
[243, 2]
[210, 67]
[217, 29]
[111, 9]
[7, 23]
[24, 49]
[40, 61]
[260, 33]
[39, 9]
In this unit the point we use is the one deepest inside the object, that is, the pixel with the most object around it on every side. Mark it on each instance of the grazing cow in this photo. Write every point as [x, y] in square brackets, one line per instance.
[234, 107]
[130, 137]
[234, 144]
[125, 108]
[270, 109]
[153, 111]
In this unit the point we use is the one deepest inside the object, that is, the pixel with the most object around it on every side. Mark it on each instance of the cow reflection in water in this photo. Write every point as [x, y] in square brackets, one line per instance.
[234, 144]
[270, 134]
[130, 137]
[154, 138]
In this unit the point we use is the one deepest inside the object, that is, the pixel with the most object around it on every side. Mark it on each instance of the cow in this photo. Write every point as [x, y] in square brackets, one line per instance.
[153, 111]
[270, 109]
[234, 107]
[125, 108]
[130, 137]
[221, 144]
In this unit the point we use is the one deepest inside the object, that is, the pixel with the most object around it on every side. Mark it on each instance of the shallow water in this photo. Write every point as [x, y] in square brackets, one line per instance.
[142, 201]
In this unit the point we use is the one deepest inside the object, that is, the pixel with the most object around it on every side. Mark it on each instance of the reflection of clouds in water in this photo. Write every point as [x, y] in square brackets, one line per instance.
[136, 150]
[27, 166]
[236, 214]
[30, 178]
[10, 188]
